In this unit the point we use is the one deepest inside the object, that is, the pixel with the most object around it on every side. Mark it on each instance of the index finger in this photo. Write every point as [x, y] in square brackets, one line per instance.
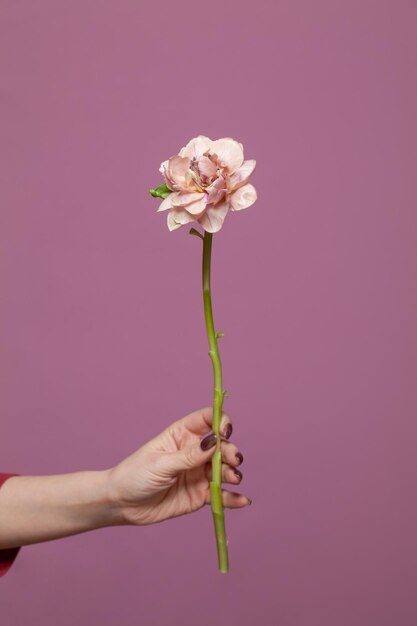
[201, 422]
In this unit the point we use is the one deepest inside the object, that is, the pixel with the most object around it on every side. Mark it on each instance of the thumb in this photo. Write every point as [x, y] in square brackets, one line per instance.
[192, 456]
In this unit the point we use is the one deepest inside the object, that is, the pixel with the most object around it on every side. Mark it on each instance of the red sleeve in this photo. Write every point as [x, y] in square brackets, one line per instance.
[8, 555]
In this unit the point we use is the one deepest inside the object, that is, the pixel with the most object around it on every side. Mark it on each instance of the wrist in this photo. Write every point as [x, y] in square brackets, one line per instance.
[113, 497]
[104, 505]
[121, 510]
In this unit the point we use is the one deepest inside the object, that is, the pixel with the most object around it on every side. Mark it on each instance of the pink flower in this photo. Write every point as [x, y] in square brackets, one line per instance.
[207, 179]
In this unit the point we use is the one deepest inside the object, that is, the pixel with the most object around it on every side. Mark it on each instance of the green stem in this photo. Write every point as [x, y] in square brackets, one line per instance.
[215, 484]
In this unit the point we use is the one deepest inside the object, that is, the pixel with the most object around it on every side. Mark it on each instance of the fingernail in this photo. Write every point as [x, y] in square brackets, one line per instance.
[238, 474]
[239, 458]
[208, 442]
[249, 500]
[228, 430]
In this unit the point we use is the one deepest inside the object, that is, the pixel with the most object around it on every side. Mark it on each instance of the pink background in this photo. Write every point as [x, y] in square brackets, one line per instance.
[102, 332]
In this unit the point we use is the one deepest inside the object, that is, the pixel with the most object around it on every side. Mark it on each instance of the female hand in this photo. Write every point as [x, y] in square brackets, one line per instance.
[167, 477]
[170, 475]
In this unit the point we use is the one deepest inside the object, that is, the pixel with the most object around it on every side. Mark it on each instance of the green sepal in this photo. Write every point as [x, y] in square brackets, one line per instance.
[162, 191]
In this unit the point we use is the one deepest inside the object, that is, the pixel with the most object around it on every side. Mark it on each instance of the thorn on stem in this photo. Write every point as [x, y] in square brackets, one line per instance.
[219, 335]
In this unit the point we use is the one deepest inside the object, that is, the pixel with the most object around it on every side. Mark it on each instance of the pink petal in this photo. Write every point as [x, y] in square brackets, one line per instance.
[243, 197]
[164, 170]
[216, 191]
[176, 172]
[206, 167]
[177, 218]
[163, 166]
[195, 203]
[196, 147]
[167, 202]
[195, 208]
[229, 153]
[241, 176]
[185, 197]
[172, 224]
[213, 217]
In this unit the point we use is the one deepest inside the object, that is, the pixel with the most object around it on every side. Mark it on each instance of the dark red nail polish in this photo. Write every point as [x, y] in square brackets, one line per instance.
[228, 430]
[238, 473]
[239, 458]
[208, 442]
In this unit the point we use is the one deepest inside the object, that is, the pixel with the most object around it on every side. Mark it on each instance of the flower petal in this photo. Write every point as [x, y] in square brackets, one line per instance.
[172, 224]
[241, 176]
[184, 198]
[243, 197]
[195, 203]
[206, 167]
[163, 166]
[176, 172]
[195, 208]
[213, 217]
[164, 170]
[178, 217]
[229, 153]
[216, 191]
[167, 202]
[196, 147]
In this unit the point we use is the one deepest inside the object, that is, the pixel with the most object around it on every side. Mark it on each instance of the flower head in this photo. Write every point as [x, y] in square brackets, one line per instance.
[204, 181]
